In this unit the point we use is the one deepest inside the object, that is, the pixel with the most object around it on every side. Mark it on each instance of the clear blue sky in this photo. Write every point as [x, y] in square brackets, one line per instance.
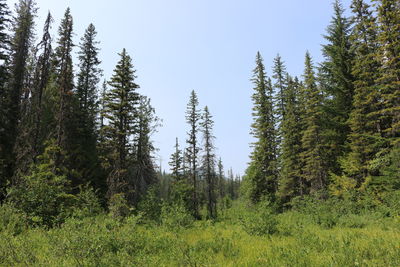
[205, 45]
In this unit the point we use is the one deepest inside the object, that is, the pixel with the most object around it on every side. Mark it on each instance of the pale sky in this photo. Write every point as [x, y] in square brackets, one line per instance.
[205, 45]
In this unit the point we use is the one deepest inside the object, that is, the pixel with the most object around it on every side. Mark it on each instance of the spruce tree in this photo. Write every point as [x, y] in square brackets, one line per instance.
[337, 80]
[389, 71]
[176, 162]
[144, 174]
[86, 93]
[364, 121]
[388, 83]
[4, 46]
[20, 47]
[291, 182]
[42, 77]
[120, 110]
[262, 173]
[221, 179]
[65, 85]
[193, 118]
[312, 156]
[208, 165]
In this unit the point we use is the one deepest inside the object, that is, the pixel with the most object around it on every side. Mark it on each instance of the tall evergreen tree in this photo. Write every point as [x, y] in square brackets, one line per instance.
[121, 104]
[192, 118]
[4, 58]
[20, 47]
[312, 156]
[208, 167]
[86, 92]
[65, 85]
[221, 179]
[337, 80]
[291, 182]
[389, 71]
[42, 77]
[262, 173]
[364, 121]
[144, 174]
[176, 162]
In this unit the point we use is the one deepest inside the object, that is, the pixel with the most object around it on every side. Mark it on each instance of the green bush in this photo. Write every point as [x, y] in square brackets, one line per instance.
[261, 222]
[118, 206]
[11, 220]
[176, 216]
[43, 196]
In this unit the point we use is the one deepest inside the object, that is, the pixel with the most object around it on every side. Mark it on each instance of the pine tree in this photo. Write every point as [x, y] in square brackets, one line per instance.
[192, 118]
[365, 126]
[291, 182]
[120, 110]
[208, 167]
[87, 162]
[312, 156]
[20, 47]
[262, 170]
[65, 85]
[144, 174]
[4, 46]
[221, 179]
[388, 83]
[337, 81]
[42, 77]
[280, 86]
[389, 71]
[176, 162]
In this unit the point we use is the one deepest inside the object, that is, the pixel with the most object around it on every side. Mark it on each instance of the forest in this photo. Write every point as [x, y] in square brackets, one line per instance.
[80, 186]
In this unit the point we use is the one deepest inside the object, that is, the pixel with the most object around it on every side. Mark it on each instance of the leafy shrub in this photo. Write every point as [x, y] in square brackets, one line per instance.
[261, 222]
[43, 196]
[353, 221]
[150, 206]
[176, 216]
[87, 203]
[11, 220]
[118, 206]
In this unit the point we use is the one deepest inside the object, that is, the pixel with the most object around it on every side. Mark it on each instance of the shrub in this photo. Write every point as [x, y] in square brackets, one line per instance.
[261, 222]
[176, 216]
[11, 220]
[43, 195]
[87, 203]
[118, 206]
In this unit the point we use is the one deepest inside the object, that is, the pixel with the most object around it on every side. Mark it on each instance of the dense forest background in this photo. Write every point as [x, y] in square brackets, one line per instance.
[75, 146]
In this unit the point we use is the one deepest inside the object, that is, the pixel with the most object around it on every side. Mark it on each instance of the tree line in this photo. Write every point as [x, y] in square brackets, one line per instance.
[334, 131]
[64, 131]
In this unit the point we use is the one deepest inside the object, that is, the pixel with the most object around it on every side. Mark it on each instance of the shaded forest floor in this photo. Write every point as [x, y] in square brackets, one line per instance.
[239, 238]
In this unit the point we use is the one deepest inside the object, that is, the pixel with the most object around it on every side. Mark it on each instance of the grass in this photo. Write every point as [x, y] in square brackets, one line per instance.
[355, 240]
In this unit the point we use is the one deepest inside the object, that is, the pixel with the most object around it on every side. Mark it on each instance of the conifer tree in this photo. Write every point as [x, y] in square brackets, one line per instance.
[291, 182]
[337, 80]
[262, 172]
[4, 47]
[388, 83]
[312, 156]
[389, 71]
[221, 179]
[280, 86]
[42, 77]
[86, 94]
[208, 167]
[65, 85]
[120, 110]
[20, 47]
[176, 162]
[365, 126]
[144, 174]
[192, 118]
